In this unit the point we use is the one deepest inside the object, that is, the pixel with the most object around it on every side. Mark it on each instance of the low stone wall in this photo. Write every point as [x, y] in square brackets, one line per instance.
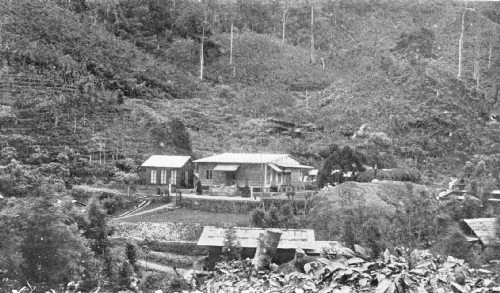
[180, 248]
[158, 231]
[213, 205]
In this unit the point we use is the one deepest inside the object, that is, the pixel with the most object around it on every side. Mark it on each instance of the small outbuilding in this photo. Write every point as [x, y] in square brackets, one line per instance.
[163, 170]
[290, 240]
[481, 230]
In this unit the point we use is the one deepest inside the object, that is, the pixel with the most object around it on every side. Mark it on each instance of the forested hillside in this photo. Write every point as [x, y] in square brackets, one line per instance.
[91, 88]
[391, 65]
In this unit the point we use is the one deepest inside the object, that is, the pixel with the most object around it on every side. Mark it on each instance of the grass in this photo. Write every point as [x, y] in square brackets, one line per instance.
[192, 216]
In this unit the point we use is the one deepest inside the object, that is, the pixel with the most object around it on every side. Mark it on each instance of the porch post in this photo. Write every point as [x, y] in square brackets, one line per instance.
[265, 176]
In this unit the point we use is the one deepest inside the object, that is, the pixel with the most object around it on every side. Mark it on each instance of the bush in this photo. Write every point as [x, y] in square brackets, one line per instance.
[126, 272]
[246, 191]
[199, 187]
[126, 165]
[131, 252]
[155, 281]
[456, 245]
[258, 218]
[178, 284]
[273, 218]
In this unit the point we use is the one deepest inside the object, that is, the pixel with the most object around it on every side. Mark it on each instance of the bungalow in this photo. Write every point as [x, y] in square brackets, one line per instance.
[169, 170]
[263, 171]
[247, 238]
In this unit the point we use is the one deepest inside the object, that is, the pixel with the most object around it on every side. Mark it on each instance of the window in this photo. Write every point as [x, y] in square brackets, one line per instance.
[173, 177]
[153, 176]
[163, 177]
[209, 174]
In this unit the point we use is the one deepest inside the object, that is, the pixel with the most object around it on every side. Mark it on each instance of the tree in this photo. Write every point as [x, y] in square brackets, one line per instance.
[258, 218]
[180, 137]
[172, 133]
[415, 223]
[456, 245]
[492, 44]
[285, 11]
[52, 246]
[127, 179]
[461, 40]
[97, 230]
[273, 218]
[311, 57]
[131, 252]
[343, 160]
[373, 239]
[231, 247]
[202, 42]
[158, 19]
[125, 274]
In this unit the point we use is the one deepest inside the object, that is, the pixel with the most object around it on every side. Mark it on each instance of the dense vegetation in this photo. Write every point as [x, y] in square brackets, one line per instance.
[89, 89]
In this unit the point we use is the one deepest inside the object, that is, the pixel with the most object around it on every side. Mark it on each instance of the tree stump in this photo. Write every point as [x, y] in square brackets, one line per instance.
[266, 249]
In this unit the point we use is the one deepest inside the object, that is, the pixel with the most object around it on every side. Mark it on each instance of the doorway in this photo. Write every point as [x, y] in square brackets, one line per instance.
[230, 178]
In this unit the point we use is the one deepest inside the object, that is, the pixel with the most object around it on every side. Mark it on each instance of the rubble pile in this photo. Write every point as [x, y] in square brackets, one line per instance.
[343, 273]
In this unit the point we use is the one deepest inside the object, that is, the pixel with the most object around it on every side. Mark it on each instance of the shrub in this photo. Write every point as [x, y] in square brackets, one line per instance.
[373, 239]
[272, 217]
[199, 187]
[258, 218]
[131, 252]
[125, 274]
[154, 281]
[126, 165]
[456, 245]
[246, 191]
[178, 284]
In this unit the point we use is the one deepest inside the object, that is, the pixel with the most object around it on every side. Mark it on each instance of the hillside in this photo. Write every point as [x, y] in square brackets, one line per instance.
[102, 83]
[90, 88]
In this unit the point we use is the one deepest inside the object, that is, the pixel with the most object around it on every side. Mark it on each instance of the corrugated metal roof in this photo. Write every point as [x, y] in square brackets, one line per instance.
[248, 237]
[484, 229]
[242, 158]
[166, 161]
[275, 168]
[297, 166]
[228, 168]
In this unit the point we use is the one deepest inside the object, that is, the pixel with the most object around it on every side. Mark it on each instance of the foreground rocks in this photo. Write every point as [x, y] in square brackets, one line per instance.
[422, 272]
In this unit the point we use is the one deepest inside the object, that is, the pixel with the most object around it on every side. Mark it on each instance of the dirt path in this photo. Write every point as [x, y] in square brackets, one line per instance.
[159, 267]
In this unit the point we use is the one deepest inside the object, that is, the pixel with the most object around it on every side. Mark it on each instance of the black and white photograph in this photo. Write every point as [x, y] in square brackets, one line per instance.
[249, 146]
